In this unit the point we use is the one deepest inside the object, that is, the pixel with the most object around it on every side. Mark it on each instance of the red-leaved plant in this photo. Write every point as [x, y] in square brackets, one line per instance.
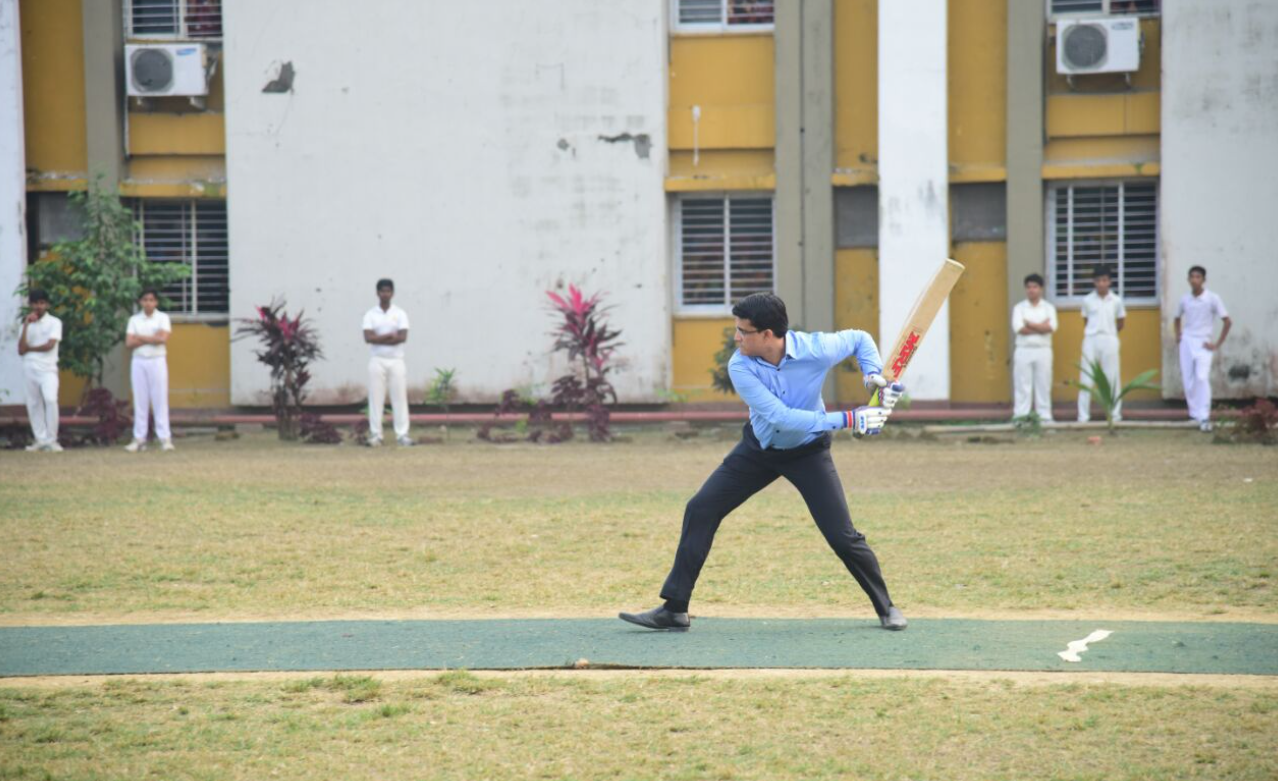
[584, 334]
[1257, 423]
[113, 418]
[288, 346]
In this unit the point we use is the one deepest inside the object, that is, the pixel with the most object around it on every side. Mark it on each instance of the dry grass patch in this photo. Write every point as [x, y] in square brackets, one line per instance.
[458, 725]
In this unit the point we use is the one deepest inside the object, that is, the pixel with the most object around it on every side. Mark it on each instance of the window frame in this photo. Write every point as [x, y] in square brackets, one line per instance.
[721, 27]
[139, 209]
[1049, 233]
[724, 309]
[1105, 12]
[183, 26]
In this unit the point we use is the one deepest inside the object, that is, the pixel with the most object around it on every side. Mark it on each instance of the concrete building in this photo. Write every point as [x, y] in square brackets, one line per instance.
[675, 154]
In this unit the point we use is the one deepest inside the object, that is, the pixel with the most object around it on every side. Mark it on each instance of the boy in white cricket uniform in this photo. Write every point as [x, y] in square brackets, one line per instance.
[1198, 310]
[386, 330]
[1103, 317]
[1033, 322]
[38, 346]
[147, 335]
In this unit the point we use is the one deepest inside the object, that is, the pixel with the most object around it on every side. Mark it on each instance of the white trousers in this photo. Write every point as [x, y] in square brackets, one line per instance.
[1195, 375]
[1032, 377]
[1103, 348]
[150, 393]
[42, 404]
[384, 374]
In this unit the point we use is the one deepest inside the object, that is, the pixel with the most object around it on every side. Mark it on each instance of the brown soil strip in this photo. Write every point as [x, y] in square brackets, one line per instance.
[1026, 679]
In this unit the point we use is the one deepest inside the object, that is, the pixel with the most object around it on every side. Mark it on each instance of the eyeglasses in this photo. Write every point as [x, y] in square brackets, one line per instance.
[746, 331]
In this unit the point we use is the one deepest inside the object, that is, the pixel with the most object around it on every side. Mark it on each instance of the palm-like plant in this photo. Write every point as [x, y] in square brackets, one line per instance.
[1103, 390]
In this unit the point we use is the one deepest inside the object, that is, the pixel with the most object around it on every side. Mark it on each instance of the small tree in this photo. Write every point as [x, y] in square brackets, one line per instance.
[584, 334]
[1106, 394]
[719, 378]
[94, 282]
[442, 391]
[288, 347]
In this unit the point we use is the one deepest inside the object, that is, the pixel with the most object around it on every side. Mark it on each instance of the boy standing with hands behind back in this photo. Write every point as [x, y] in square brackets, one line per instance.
[1103, 317]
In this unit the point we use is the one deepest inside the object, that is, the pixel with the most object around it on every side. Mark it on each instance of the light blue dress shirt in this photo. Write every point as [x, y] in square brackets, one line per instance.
[786, 409]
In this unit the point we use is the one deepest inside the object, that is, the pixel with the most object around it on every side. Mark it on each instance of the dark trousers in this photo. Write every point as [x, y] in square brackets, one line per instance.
[749, 469]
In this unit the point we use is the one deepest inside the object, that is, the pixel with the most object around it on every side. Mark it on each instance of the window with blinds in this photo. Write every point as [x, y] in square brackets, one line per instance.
[726, 250]
[1115, 225]
[1104, 7]
[165, 19]
[722, 15]
[194, 233]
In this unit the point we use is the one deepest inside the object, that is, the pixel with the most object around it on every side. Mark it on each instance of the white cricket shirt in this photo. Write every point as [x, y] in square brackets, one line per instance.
[38, 334]
[141, 325]
[1102, 314]
[383, 323]
[1025, 312]
[1198, 313]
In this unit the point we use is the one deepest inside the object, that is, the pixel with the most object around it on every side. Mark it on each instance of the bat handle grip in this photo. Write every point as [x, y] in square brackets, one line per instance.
[874, 398]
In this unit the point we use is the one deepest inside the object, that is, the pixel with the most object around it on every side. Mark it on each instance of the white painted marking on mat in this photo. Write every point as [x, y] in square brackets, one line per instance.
[1076, 647]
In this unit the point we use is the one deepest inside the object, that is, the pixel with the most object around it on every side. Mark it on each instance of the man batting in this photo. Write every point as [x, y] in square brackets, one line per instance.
[779, 373]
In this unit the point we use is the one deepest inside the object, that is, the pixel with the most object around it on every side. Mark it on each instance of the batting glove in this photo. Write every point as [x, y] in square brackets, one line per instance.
[890, 395]
[866, 420]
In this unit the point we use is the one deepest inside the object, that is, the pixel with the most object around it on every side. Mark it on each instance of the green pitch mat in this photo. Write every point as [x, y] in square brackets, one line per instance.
[949, 644]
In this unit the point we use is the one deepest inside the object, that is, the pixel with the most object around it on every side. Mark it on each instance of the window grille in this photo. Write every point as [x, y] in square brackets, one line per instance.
[1104, 7]
[194, 233]
[723, 15]
[726, 250]
[1111, 224]
[173, 19]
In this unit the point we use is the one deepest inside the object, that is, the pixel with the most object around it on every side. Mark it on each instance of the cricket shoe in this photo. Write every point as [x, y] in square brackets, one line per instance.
[406, 441]
[53, 447]
[135, 447]
[659, 618]
[167, 445]
[894, 620]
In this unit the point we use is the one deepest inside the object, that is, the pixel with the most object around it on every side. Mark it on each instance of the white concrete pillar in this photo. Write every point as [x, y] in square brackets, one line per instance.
[1219, 183]
[913, 180]
[13, 201]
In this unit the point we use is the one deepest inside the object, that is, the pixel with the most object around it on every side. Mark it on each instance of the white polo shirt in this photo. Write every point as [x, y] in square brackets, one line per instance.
[141, 325]
[1102, 314]
[38, 334]
[1025, 312]
[1198, 313]
[381, 323]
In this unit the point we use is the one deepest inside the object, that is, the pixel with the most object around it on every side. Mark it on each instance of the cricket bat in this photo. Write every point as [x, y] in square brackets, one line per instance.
[919, 320]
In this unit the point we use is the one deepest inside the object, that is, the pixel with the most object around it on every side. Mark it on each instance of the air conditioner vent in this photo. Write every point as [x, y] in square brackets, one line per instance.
[1085, 46]
[151, 70]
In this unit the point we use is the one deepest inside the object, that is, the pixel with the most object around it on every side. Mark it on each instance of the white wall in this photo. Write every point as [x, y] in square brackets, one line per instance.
[1219, 188]
[456, 148]
[914, 234]
[13, 200]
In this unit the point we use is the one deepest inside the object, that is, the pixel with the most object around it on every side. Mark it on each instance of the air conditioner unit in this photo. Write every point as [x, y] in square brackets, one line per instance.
[159, 69]
[1109, 45]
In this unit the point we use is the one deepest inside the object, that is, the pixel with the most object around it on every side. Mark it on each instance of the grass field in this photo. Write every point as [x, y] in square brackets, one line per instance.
[461, 726]
[1157, 525]
[1160, 524]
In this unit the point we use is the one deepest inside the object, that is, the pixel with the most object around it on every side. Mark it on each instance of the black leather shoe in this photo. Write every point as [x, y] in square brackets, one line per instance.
[894, 620]
[660, 618]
